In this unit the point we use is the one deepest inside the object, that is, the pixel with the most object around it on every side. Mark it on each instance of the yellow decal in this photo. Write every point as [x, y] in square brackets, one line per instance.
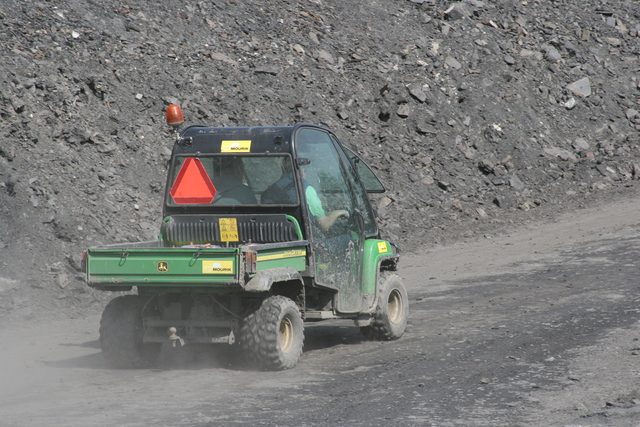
[228, 229]
[287, 254]
[163, 266]
[217, 267]
[382, 247]
[235, 147]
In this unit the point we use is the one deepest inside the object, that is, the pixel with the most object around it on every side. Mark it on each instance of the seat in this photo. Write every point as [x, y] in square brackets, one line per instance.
[282, 192]
[231, 191]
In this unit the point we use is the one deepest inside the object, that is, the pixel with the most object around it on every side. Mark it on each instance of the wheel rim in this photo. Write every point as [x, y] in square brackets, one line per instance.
[394, 306]
[285, 335]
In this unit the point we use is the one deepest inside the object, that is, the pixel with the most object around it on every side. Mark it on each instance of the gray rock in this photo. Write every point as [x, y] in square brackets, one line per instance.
[314, 37]
[516, 183]
[456, 12]
[222, 57]
[552, 54]
[604, 171]
[570, 104]
[581, 144]
[425, 128]
[477, 4]
[416, 91]
[561, 153]
[403, 110]
[446, 186]
[613, 41]
[504, 201]
[62, 280]
[581, 87]
[486, 166]
[481, 212]
[453, 63]
[509, 60]
[324, 56]
[267, 69]
[107, 147]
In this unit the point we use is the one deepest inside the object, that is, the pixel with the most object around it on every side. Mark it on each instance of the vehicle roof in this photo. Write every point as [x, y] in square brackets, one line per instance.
[209, 140]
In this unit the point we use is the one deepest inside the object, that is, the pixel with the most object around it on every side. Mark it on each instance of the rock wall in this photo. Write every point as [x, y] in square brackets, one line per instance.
[476, 114]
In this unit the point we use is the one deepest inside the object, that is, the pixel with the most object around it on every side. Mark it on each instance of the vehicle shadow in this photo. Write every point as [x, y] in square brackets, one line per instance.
[192, 357]
[200, 357]
[321, 336]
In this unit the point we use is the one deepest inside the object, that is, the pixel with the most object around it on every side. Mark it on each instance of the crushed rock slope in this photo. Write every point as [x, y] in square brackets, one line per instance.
[476, 114]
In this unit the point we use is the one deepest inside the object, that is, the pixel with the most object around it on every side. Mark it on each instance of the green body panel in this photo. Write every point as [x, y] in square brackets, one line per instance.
[374, 251]
[148, 264]
[162, 267]
[295, 258]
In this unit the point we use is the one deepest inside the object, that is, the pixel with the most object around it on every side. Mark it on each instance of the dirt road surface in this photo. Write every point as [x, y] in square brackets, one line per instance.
[540, 327]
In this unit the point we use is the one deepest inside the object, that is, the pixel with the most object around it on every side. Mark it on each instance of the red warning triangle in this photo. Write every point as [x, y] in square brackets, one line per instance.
[192, 185]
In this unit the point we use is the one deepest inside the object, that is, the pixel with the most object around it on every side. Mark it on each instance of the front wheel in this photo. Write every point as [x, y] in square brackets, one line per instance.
[392, 311]
[272, 336]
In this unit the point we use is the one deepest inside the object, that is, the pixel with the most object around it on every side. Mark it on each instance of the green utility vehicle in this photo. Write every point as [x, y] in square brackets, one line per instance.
[264, 228]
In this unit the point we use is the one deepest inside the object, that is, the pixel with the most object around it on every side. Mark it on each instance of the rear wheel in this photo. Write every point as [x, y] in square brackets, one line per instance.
[392, 311]
[121, 334]
[272, 337]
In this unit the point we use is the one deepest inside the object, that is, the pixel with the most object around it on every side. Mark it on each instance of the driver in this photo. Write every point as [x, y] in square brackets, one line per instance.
[283, 192]
[325, 221]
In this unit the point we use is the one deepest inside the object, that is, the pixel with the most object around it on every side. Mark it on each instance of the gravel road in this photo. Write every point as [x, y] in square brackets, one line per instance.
[537, 328]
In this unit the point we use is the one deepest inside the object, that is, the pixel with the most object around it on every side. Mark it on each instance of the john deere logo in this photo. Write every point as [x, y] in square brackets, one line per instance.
[163, 266]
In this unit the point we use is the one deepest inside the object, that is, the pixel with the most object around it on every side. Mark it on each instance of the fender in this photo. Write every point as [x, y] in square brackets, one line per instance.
[263, 280]
[375, 251]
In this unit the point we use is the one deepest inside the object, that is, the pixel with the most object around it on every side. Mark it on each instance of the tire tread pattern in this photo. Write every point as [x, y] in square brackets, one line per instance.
[259, 334]
[381, 329]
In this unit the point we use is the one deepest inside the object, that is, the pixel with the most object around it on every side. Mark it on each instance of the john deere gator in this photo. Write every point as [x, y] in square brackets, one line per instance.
[264, 229]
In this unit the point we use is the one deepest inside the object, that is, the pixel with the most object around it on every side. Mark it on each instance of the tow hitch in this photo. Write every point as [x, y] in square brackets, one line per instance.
[175, 339]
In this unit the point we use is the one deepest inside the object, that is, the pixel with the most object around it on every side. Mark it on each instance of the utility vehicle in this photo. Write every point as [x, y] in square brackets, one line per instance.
[264, 228]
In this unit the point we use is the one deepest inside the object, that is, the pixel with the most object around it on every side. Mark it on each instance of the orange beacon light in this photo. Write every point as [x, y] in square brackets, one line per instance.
[174, 115]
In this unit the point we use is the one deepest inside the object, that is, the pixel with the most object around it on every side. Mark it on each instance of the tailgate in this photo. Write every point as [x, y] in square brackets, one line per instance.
[136, 266]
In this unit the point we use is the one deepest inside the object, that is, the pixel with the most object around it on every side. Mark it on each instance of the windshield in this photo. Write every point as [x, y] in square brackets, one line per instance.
[225, 180]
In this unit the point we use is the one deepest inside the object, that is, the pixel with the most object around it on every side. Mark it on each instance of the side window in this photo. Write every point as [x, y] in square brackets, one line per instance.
[324, 173]
[369, 179]
[362, 200]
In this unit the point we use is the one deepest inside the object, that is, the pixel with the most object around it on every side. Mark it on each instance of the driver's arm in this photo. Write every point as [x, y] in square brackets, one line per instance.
[325, 221]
